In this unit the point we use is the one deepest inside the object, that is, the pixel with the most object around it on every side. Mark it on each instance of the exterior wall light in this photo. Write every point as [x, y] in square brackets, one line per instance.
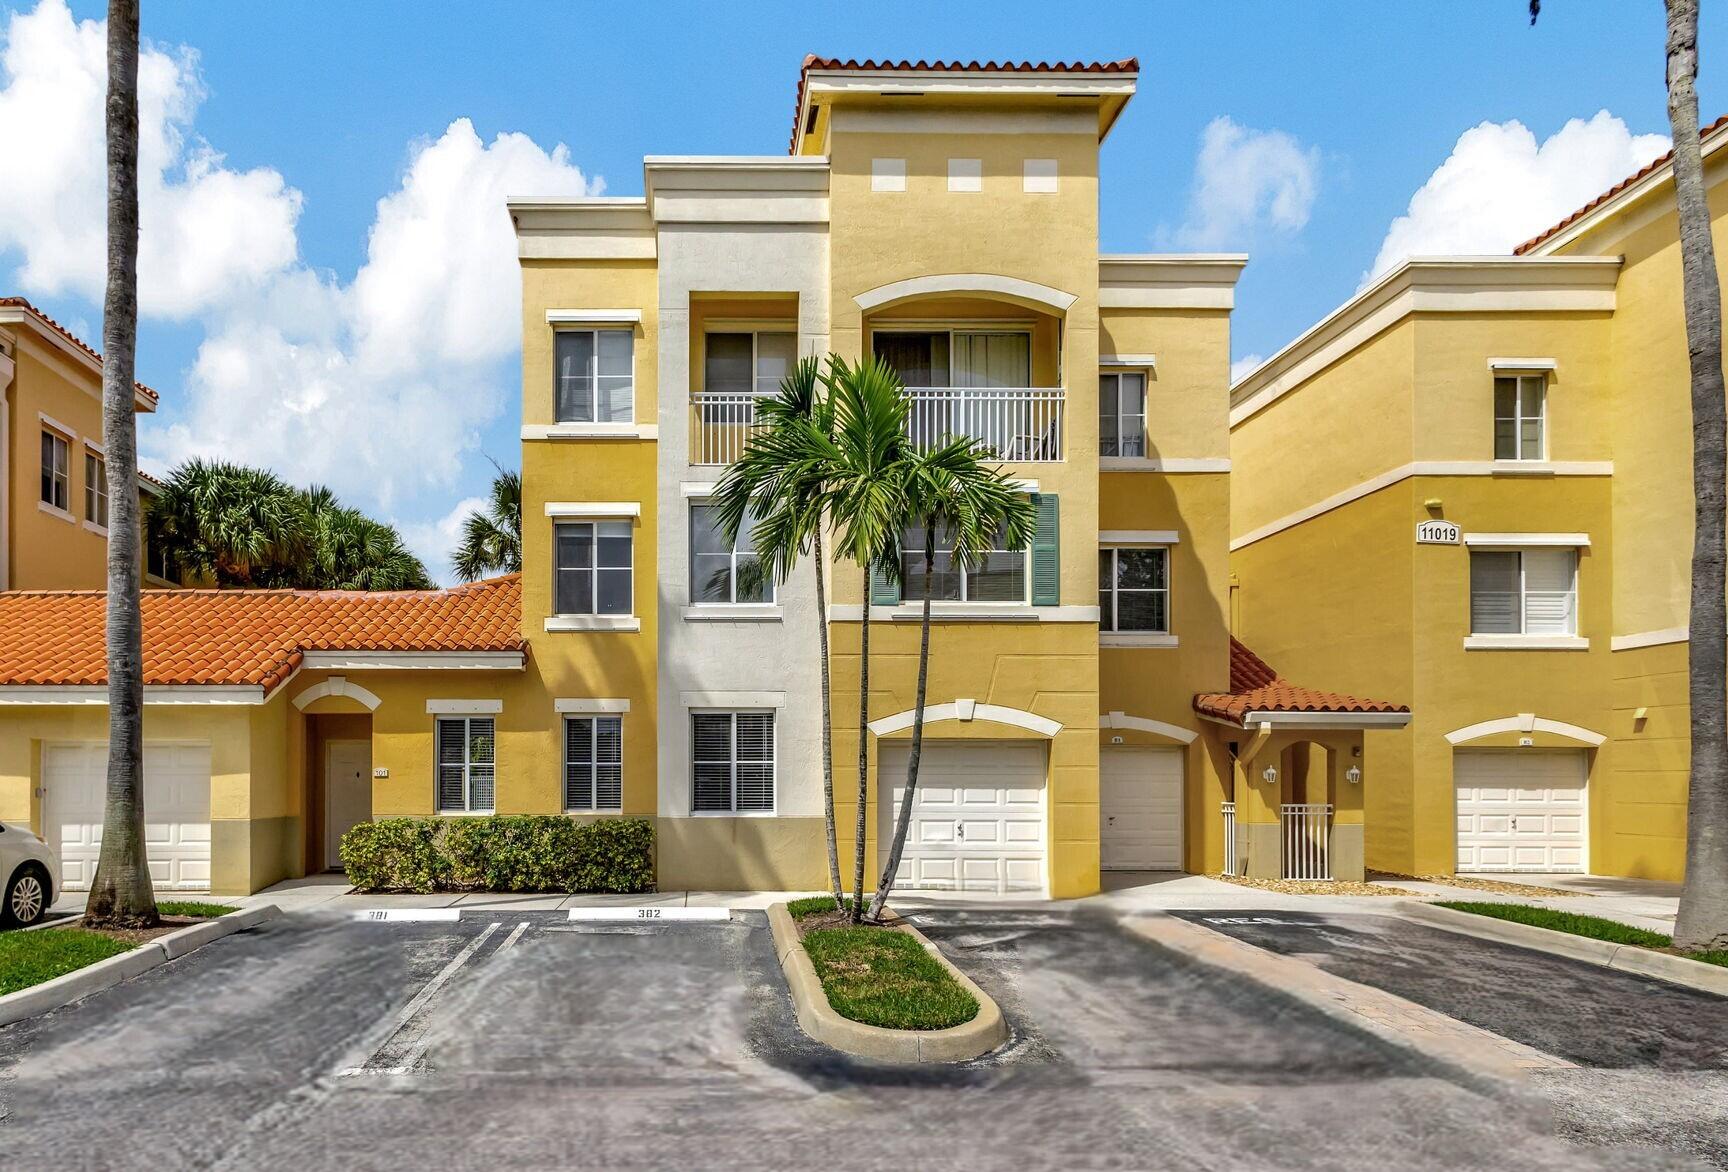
[1353, 775]
[1270, 775]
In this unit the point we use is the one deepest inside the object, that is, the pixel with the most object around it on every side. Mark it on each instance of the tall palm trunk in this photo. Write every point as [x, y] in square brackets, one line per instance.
[1703, 918]
[121, 894]
[863, 752]
[827, 723]
[903, 820]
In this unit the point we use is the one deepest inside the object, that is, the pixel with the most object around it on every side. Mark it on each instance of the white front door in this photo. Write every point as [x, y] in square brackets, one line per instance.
[1520, 809]
[1140, 803]
[176, 812]
[347, 793]
[978, 818]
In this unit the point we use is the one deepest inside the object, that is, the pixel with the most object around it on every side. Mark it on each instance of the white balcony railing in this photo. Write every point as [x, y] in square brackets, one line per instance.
[1016, 424]
[1230, 839]
[1307, 838]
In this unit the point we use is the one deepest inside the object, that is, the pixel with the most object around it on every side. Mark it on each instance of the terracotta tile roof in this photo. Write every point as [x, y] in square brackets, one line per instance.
[1643, 172]
[1256, 687]
[811, 61]
[80, 343]
[248, 636]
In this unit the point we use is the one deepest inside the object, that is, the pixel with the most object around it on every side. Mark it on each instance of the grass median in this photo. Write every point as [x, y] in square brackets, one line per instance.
[879, 975]
[1594, 927]
[29, 958]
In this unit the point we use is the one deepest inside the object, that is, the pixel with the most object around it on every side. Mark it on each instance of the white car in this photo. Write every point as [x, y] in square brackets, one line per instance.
[31, 873]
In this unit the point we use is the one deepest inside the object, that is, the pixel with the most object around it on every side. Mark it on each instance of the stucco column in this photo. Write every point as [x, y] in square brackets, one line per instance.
[1257, 830]
[1347, 845]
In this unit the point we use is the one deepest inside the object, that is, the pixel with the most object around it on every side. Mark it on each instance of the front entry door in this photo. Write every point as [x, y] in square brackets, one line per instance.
[347, 793]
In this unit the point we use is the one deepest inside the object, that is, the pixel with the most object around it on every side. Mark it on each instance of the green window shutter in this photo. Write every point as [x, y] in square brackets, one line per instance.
[1046, 551]
[884, 590]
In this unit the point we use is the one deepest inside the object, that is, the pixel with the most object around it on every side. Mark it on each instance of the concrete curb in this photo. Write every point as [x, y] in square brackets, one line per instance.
[104, 974]
[817, 1018]
[1677, 970]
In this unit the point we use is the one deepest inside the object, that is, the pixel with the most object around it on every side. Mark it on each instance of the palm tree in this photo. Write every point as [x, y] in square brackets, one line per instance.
[863, 496]
[779, 483]
[230, 524]
[492, 540]
[121, 894]
[950, 491]
[350, 551]
[1703, 918]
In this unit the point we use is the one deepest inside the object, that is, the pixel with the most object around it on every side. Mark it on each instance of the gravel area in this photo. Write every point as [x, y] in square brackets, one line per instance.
[1472, 883]
[1312, 887]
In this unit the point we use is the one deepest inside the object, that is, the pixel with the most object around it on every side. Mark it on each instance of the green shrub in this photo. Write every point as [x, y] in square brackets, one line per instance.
[510, 852]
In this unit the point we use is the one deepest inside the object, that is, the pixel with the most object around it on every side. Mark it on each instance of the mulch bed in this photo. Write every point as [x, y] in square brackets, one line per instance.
[133, 937]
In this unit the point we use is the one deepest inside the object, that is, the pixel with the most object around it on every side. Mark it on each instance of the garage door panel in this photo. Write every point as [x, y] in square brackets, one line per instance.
[978, 816]
[1141, 806]
[176, 812]
[1519, 810]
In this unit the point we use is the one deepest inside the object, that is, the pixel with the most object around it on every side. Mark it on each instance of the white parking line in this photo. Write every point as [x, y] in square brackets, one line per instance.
[406, 1016]
[650, 913]
[515, 935]
[400, 915]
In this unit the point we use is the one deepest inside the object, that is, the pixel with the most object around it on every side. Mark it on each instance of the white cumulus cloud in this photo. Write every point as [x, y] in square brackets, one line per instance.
[1247, 182]
[434, 541]
[1499, 186]
[205, 228]
[1244, 365]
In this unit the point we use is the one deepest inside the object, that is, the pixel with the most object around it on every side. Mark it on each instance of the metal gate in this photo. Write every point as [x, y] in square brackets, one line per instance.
[1307, 828]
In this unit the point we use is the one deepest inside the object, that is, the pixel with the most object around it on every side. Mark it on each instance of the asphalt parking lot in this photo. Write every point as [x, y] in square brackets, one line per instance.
[522, 1040]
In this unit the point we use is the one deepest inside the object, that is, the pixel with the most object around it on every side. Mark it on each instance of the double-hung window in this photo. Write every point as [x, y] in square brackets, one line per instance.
[998, 575]
[723, 572]
[1134, 589]
[465, 764]
[595, 376]
[1524, 592]
[592, 563]
[593, 762]
[1520, 405]
[1122, 414]
[732, 762]
[95, 490]
[56, 472]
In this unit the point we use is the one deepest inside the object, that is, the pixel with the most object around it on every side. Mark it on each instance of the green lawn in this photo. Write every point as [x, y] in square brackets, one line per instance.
[813, 905]
[29, 958]
[188, 907]
[885, 978]
[1594, 927]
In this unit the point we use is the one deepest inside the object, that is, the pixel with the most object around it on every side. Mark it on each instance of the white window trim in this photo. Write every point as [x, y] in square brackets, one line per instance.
[464, 707]
[588, 707]
[1138, 537]
[1527, 540]
[1145, 386]
[98, 530]
[722, 701]
[605, 510]
[1116, 638]
[467, 810]
[741, 609]
[589, 324]
[1524, 365]
[593, 622]
[1526, 643]
[735, 612]
[983, 608]
[1523, 640]
[594, 773]
[564, 431]
[599, 317]
[735, 711]
[1147, 362]
[54, 424]
[97, 487]
[1518, 417]
[65, 441]
[56, 511]
[582, 618]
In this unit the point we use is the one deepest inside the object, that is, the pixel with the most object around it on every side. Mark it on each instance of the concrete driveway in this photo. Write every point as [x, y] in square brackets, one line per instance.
[517, 1039]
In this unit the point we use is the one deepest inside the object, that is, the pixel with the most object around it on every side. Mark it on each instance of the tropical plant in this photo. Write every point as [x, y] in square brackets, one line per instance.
[492, 538]
[237, 526]
[778, 485]
[950, 491]
[863, 484]
[120, 893]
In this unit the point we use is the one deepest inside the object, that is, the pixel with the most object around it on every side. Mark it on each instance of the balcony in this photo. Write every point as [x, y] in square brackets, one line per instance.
[1016, 424]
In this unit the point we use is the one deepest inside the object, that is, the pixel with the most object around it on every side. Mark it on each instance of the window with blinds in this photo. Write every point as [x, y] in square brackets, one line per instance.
[593, 762]
[732, 759]
[1134, 589]
[998, 576]
[1524, 592]
[595, 376]
[465, 764]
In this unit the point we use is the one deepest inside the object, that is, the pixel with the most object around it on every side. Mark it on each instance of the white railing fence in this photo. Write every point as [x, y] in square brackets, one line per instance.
[1307, 830]
[720, 425]
[1230, 867]
[1017, 424]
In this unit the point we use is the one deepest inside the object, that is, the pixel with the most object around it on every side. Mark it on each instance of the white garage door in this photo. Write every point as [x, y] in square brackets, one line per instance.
[1520, 809]
[176, 812]
[1140, 796]
[978, 818]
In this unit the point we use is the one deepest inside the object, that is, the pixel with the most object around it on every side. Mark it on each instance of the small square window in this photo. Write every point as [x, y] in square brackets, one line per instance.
[1039, 176]
[1524, 592]
[595, 376]
[965, 175]
[887, 174]
[592, 572]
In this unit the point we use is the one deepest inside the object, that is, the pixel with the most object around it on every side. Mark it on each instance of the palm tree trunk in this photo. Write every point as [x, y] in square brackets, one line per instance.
[863, 752]
[903, 821]
[121, 894]
[1703, 918]
[827, 725]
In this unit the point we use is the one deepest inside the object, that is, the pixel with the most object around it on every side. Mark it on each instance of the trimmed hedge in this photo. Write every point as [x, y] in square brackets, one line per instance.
[510, 852]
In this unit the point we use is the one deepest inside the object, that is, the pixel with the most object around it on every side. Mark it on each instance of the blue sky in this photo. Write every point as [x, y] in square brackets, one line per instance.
[289, 124]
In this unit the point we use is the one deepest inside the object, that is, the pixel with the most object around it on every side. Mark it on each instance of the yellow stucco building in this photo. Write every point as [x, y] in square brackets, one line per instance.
[1470, 487]
[1089, 709]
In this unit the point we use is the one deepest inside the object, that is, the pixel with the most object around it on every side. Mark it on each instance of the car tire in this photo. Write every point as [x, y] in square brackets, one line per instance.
[27, 897]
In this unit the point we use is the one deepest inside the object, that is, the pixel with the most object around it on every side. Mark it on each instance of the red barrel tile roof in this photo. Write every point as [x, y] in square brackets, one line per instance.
[811, 61]
[1644, 171]
[21, 303]
[247, 636]
[1255, 686]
